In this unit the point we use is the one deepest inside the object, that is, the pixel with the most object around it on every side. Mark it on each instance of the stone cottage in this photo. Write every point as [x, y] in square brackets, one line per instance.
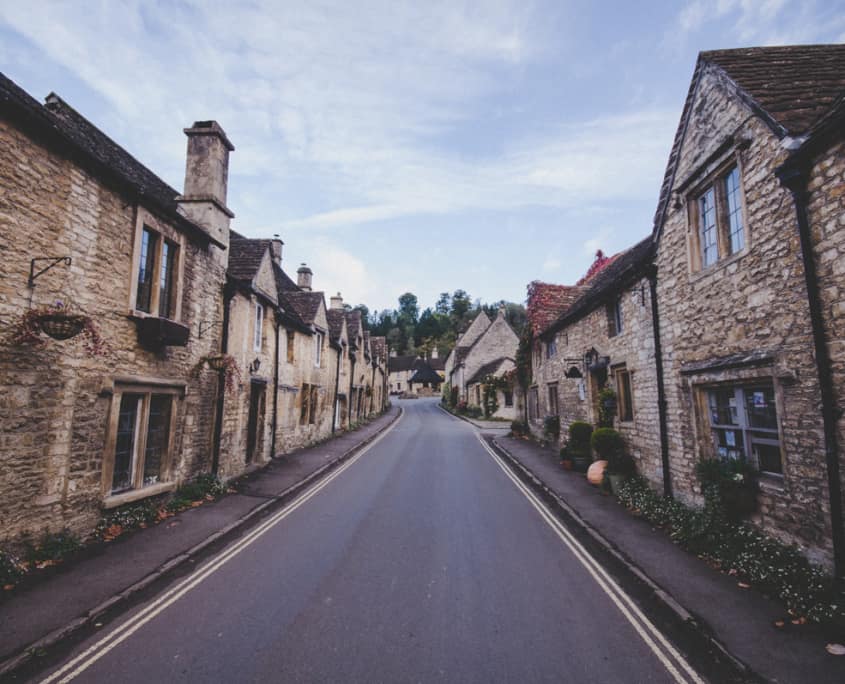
[603, 339]
[749, 233]
[485, 345]
[83, 222]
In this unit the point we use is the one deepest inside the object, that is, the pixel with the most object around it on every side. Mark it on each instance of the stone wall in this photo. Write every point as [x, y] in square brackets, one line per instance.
[632, 350]
[753, 302]
[55, 402]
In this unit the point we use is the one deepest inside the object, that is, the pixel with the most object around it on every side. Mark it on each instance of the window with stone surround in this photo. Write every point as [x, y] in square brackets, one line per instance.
[614, 317]
[139, 442]
[551, 348]
[533, 404]
[508, 398]
[156, 267]
[258, 328]
[553, 405]
[308, 404]
[290, 336]
[744, 425]
[717, 224]
[624, 398]
[318, 349]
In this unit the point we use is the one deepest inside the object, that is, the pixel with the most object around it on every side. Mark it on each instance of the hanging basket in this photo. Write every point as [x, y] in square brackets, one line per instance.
[61, 326]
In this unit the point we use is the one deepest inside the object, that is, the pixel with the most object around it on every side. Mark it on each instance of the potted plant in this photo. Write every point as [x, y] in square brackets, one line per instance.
[566, 459]
[732, 483]
[578, 446]
[551, 428]
[222, 363]
[610, 448]
[607, 406]
[60, 322]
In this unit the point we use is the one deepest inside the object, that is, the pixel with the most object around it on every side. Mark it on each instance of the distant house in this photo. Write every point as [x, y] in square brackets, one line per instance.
[413, 375]
[485, 345]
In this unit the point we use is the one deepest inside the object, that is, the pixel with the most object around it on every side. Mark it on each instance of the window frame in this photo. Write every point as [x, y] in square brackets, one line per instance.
[137, 489]
[290, 342]
[624, 379]
[258, 328]
[615, 319]
[175, 241]
[745, 434]
[724, 245]
[553, 398]
[318, 349]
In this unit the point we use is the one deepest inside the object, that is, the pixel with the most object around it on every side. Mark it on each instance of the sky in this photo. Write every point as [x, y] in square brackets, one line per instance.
[406, 146]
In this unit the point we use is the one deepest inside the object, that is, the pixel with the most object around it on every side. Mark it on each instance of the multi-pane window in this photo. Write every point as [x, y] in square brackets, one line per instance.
[744, 425]
[720, 226]
[614, 318]
[508, 398]
[142, 440]
[158, 268]
[258, 328]
[624, 399]
[533, 400]
[553, 407]
[551, 349]
[290, 339]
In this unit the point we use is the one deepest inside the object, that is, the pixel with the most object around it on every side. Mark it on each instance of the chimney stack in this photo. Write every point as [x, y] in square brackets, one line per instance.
[276, 247]
[393, 353]
[303, 277]
[207, 179]
[336, 302]
[434, 353]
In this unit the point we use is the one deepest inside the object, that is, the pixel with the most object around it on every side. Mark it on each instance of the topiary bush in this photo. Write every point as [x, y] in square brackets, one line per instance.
[579, 434]
[607, 443]
[551, 427]
[518, 428]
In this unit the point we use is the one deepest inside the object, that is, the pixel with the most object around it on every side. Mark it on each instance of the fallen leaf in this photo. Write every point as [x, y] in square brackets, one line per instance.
[732, 571]
[8, 587]
[835, 649]
[799, 621]
[779, 623]
[743, 585]
[196, 503]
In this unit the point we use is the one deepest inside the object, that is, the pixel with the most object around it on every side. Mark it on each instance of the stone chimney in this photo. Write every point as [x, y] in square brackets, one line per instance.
[207, 179]
[303, 277]
[501, 313]
[433, 352]
[336, 302]
[276, 247]
[393, 352]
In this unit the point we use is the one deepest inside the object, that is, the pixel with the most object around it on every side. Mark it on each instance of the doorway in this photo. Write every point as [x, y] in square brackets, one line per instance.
[255, 421]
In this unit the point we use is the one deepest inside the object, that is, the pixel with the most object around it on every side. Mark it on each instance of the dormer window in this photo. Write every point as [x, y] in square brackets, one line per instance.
[156, 286]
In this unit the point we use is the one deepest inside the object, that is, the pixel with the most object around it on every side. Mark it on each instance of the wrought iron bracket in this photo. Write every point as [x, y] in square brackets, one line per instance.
[205, 326]
[54, 262]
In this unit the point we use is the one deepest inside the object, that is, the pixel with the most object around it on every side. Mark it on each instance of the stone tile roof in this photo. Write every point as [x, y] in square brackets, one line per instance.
[305, 304]
[437, 364]
[790, 87]
[795, 85]
[397, 364]
[245, 256]
[353, 326]
[335, 318]
[424, 373]
[609, 281]
[283, 281]
[62, 126]
[547, 302]
[488, 369]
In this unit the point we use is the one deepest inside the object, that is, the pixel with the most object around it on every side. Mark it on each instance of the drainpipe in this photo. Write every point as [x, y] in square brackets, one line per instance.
[372, 388]
[275, 390]
[794, 179]
[351, 382]
[336, 386]
[228, 295]
[661, 387]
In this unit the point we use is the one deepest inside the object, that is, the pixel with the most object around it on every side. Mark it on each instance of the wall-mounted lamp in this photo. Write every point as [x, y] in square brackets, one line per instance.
[253, 367]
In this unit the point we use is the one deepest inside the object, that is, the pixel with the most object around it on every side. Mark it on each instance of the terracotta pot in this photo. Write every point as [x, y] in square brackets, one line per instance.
[61, 326]
[567, 464]
[595, 473]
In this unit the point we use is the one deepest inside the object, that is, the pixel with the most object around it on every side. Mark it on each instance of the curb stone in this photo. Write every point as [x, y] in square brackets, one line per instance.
[660, 594]
[32, 650]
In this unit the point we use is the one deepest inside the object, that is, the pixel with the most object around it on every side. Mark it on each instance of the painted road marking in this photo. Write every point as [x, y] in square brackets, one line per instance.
[665, 652]
[91, 655]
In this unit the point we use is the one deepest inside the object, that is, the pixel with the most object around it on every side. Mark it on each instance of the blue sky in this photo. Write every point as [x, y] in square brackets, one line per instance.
[395, 146]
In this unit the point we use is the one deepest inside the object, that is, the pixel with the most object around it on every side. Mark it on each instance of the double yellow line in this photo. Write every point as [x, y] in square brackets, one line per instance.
[91, 655]
[669, 657]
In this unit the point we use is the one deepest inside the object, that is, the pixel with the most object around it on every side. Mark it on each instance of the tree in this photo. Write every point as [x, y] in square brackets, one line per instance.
[461, 304]
[409, 309]
[365, 315]
[444, 303]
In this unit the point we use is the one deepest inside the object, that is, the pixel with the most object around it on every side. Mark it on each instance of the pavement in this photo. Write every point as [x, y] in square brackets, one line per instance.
[41, 614]
[737, 621]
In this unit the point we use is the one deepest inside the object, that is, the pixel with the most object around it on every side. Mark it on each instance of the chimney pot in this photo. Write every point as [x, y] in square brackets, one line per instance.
[337, 301]
[303, 277]
[276, 247]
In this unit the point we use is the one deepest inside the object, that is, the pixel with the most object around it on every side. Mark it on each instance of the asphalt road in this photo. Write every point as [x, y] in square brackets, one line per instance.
[418, 561]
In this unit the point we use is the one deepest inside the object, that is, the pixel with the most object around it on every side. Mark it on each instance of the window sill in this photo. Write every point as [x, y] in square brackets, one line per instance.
[706, 271]
[771, 483]
[115, 500]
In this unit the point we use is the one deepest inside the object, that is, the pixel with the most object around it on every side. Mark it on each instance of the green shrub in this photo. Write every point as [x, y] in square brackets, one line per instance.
[473, 411]
[607, 443]
[53, 546]
[579, 434]
[518, 428]
[127, 518]
[551, 427]
[203, 486]
[770, 565]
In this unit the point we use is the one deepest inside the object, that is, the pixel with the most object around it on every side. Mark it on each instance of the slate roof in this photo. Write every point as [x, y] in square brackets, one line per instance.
[791, 88]
[488, 369]
[397, 364]
[336, 318]
[353, 326]
[245, 256]
[305, 304]
[437, 364]
[58, 123]
[283, 281]
[609, 281]
[424, 373]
